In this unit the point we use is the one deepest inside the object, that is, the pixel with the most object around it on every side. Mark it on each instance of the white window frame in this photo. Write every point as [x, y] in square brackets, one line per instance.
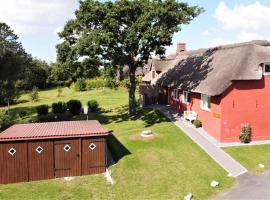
[205, 104]
[175, 95]
[185, 97]
[264, 72]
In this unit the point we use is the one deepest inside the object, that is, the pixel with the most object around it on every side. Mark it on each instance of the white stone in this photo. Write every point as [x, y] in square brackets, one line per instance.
[68, 178]
[108, 177]
[261, 165]
[146, 133]
[229, 175]
[214, 183]
[188, 197]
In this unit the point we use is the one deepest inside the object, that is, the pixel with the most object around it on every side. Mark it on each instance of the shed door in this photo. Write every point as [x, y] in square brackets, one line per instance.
[67, 157]
[40, 160]
[93, 155]
[13, 162]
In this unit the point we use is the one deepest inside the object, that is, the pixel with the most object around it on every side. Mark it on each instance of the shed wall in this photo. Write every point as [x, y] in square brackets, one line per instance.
[29, 165]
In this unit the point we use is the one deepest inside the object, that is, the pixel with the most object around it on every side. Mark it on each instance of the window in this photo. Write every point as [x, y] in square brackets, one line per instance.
[205, 102]
[175, 95]
[266, 69]
[153, 74]
[186, 97]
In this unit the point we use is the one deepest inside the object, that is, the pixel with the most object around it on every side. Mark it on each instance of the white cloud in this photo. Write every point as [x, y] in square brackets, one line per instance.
[243, 17]
[28, 17]
[206, 33]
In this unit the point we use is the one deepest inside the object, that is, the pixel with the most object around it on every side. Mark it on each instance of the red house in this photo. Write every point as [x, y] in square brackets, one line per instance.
[226, 86]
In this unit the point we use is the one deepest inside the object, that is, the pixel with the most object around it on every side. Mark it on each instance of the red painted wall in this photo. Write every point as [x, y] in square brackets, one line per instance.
[211, 120]
[246, 102]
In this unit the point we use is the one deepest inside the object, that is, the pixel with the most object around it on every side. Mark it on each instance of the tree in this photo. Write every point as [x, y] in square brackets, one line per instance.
[35, 74]
[13, 57]
[123, 32]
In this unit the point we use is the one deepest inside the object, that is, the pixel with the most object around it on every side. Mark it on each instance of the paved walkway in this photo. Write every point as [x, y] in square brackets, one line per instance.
[221, 157]
[249, 187]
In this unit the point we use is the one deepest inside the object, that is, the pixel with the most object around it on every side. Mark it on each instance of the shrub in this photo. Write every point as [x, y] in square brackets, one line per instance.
[59, 107]
[93, 106]
[197, 123]
[33, 96]
[42, 110]
[74, 107]
[46, 118]
[54, 117]
[245, 134]
[22, 113]
[63, 117]
[79, 85]
[95, 83]
[5, 120]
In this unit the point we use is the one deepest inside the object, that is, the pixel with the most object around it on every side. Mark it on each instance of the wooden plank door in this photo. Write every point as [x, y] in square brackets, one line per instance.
[13, 162]
[40, 160]
[67, 157]
[93, 155]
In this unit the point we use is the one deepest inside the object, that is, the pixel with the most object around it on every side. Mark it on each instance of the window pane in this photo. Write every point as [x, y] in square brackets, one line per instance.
[266, 68]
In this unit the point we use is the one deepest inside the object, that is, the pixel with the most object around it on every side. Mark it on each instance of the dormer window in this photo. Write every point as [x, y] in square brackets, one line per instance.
[266, 69]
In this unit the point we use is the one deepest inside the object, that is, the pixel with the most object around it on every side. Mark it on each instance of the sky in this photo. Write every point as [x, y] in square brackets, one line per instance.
[37, 22]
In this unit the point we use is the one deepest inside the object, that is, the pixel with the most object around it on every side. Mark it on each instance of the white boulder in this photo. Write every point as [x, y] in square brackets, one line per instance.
[214, 183]
[261, 165]
[188, 197]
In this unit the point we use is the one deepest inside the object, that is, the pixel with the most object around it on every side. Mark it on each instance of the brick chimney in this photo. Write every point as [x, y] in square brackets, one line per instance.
[180, 47]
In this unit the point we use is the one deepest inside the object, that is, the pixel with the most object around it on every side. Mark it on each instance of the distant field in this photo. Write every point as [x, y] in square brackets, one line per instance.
[169, 166]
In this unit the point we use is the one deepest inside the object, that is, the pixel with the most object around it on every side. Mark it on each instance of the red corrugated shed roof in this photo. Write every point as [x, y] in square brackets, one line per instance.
[53, 130]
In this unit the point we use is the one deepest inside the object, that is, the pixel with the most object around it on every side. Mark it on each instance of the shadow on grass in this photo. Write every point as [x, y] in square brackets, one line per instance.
[116, 150]
[148, 115]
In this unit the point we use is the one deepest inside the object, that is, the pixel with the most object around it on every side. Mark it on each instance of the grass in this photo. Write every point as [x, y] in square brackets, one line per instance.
[251, 156]
[169, 166]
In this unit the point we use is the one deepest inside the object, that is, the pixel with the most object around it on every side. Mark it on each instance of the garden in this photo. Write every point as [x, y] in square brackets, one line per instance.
[166, 166]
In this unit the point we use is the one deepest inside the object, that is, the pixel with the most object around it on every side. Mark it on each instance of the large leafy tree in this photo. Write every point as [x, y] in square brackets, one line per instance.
[123, 32]
[12, 55]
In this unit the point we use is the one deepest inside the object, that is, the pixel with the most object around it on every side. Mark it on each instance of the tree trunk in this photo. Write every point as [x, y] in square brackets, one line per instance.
[132, 89]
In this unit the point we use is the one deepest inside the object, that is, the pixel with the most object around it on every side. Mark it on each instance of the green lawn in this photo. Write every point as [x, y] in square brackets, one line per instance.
[251, 156]
[169, 166]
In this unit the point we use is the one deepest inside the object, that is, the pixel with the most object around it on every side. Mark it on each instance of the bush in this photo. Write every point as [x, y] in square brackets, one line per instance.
[93, 106]
[22, 113]
[63, 117]
[5, 120]
[42, 110]
[95, 83]
[79, 85]
[59, 107]
[33, 96]
[46, 118]
[74, 107]
[245, 134]
[197, 123]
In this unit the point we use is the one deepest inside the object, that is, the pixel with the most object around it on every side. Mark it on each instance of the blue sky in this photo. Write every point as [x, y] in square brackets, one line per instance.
[37, 22]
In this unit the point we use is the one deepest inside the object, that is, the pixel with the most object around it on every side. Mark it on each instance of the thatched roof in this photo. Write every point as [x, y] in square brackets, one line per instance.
[211, 71]
[160, 65]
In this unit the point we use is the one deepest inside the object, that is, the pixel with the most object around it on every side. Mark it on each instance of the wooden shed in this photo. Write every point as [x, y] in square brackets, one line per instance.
[40, 151]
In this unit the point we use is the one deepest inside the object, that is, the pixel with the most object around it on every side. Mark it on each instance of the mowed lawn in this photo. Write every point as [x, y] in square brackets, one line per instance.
[251, 156]
[169, 166]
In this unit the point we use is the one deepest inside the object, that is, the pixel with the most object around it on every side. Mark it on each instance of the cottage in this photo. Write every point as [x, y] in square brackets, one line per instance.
[226, 86]
[40, 151]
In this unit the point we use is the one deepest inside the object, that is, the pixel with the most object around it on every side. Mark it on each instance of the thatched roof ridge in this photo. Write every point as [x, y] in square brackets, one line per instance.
[211, 71]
